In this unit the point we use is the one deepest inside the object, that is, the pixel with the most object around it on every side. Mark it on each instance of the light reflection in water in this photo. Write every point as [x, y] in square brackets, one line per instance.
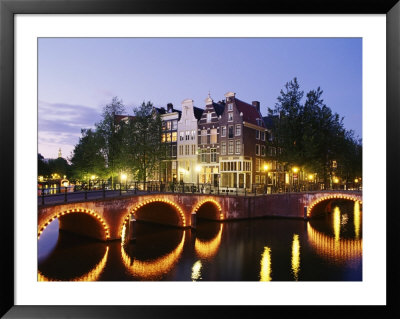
[333, 250]
[92, 275]
[207, 249]
[336, 223]
[196, 270]
[265, 273]
[153, 268]
[296, 256]
[357, 219]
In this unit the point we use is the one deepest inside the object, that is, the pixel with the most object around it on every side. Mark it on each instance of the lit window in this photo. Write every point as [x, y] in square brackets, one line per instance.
[257, 164]
[257, 179]
[238, 148]
[203, 136]
[213, 155]
[230, 147]
[223, 131]
[238, 129]
[213, 136]
[174, 136]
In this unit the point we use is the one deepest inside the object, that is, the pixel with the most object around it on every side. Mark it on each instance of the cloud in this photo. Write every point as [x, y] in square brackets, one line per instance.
[61, 124]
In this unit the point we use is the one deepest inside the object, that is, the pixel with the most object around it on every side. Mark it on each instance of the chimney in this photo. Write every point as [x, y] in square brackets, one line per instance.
[256, 104]
[169, 107]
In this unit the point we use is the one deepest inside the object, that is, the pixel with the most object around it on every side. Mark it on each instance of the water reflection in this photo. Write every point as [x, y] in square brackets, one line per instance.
[357, 219]
[296, 256]
[196, 270]
[336, 222]
[152, 265]
[74, 258]
[265, 273]
[333, 250]
[208, 248]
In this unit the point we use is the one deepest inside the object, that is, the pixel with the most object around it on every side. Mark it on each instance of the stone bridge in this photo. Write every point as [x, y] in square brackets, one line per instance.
[105, 219]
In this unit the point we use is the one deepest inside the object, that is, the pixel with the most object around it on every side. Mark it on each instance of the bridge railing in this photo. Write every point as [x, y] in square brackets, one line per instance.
[104, 190]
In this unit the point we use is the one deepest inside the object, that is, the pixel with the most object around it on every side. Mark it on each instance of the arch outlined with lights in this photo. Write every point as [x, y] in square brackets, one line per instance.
[209, 200]
[90, 212]
[133, 211]
[330, 197]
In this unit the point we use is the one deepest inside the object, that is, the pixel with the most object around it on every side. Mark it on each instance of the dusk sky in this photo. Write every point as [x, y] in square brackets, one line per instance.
[78, 76]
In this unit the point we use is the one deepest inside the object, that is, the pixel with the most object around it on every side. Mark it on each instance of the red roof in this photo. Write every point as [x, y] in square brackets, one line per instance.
[250, 113]
[119, 118]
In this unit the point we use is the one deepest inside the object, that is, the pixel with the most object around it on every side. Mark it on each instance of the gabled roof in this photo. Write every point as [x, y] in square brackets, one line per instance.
[269, 121]
[198, 112]
[250, 113]
[219, 107]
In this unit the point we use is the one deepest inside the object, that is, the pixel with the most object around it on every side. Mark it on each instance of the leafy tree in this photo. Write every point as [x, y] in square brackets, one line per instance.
[59, 166]
[43, 166]
[312, 136]
[87, 158]
[143, 146]
[111, 137]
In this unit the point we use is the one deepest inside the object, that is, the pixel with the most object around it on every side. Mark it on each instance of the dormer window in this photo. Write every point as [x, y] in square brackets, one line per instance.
[230, 107]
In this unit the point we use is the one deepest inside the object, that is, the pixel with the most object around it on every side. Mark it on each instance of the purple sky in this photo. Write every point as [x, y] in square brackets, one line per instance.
[78, 76]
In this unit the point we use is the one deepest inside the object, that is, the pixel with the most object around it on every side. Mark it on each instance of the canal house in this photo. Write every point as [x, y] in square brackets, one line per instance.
[242, 145]
[208, 143]
[187, 142]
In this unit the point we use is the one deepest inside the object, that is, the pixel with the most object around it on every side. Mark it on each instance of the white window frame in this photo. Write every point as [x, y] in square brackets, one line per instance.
[223, 131]
[238, 126]
[230, 116]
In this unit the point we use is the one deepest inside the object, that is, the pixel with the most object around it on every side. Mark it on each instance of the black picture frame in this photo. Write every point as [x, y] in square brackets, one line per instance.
[8, 8]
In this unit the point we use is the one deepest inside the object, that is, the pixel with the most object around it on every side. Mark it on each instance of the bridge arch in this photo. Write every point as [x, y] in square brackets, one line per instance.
[151, 201]
[330, 197]
[209, 209]
[71, 212]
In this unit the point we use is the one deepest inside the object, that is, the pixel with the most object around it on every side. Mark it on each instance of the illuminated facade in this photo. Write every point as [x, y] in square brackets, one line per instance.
[187, 142]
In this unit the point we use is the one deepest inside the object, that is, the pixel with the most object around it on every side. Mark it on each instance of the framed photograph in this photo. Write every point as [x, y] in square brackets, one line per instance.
[100, 65]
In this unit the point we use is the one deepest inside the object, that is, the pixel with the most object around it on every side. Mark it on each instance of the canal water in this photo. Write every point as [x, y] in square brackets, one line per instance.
[328, 248]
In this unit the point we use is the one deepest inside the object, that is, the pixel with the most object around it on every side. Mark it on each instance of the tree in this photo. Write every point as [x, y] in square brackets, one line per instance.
[143, 146]
[87, 158]
[312, 136]
[43, 167]
[111, 137]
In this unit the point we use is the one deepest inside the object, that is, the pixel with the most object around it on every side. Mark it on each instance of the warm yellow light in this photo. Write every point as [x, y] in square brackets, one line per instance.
[266, 167]
[310, 177]
[336, 180]
[295, 169]
[198, 168]
[93, 177]
[65, 184]
[123, 176]
[356, 180]
[41, 178]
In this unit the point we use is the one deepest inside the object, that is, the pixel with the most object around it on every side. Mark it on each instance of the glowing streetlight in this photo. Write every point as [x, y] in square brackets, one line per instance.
[356, 180]
[123, 178]
[92, 177]
[198, 169]
[295, 169]
[336, 180]
[310, 177]
[266, 167]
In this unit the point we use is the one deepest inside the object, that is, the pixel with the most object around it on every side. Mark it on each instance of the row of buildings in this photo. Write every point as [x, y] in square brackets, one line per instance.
[225, 144]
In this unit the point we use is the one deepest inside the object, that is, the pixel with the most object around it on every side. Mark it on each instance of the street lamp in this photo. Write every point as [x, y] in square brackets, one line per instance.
[335, 180]
[266, 168]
